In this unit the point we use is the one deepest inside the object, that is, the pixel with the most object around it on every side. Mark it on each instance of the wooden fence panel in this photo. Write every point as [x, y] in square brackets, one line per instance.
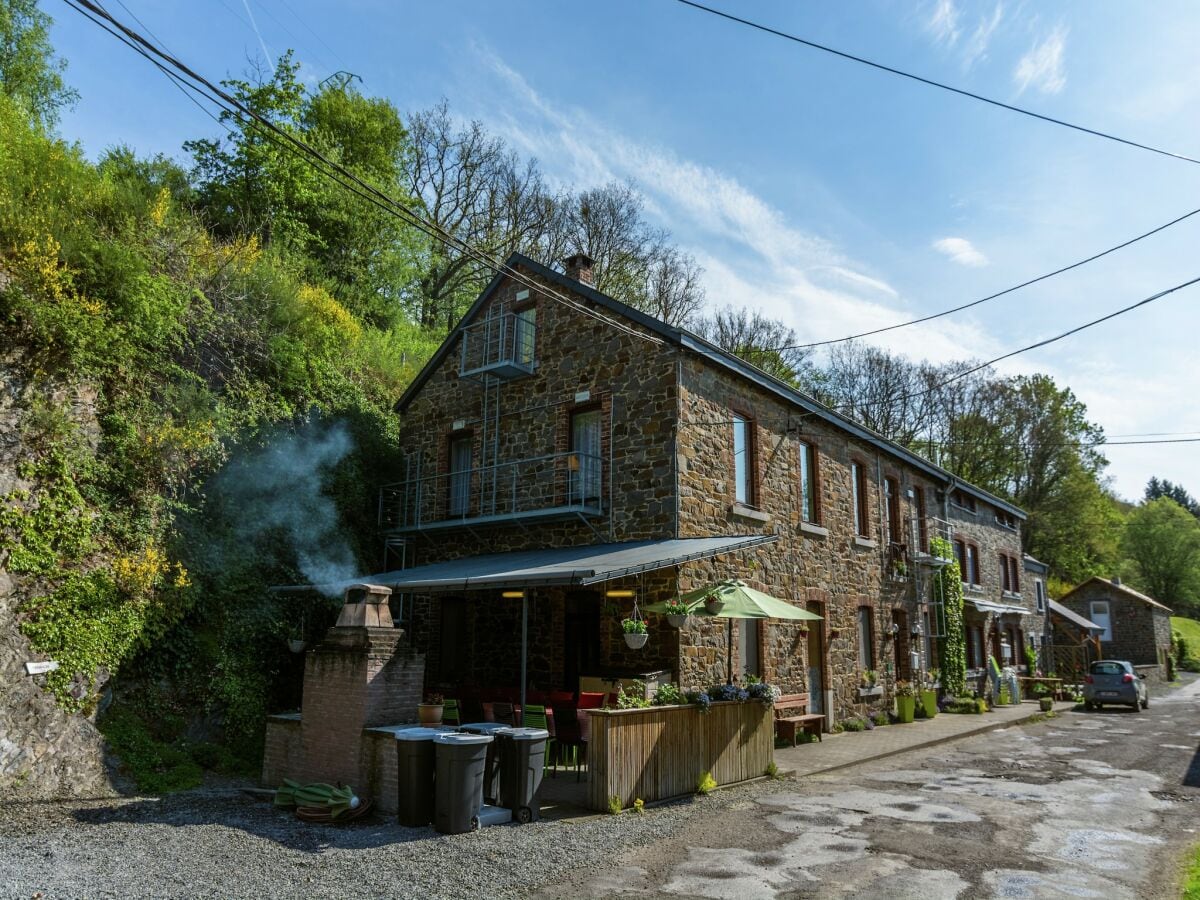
[661, 752]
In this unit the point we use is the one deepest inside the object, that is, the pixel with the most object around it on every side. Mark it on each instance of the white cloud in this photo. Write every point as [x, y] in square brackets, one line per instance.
[976, 46]
[943, 23]
[1042, 66]
[961, 251]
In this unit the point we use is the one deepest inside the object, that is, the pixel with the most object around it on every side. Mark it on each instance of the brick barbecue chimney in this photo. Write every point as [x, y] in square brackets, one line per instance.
[581, 267]
[363, 674]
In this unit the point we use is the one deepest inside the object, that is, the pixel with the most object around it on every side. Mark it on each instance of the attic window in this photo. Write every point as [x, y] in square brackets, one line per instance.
[963, 500]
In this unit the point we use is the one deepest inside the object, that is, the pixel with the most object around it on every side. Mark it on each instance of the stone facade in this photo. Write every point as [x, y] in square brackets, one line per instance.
[666, 408]
[1139, 626]
[45, 752]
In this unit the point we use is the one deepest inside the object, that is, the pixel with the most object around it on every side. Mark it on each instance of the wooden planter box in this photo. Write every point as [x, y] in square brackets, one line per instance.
[660, 752]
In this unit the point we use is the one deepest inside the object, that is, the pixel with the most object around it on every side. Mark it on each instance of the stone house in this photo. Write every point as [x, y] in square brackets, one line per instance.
[1135, 627]
[565, 448]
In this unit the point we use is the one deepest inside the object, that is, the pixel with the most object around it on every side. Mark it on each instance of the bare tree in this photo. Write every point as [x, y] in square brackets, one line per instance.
[471, 185]
[765, 343]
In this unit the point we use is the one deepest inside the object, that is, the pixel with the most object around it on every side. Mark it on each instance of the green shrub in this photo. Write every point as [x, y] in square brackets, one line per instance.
[615, 805]
[156, 766]
[1190, 664]
[881, 718]
[705, 783]
[854, 724]
[772, 770]
[668, 695]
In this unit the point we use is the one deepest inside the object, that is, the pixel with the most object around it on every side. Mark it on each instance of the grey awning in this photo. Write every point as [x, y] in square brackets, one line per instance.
[1075, 618]
[989, 606]
[551, 566]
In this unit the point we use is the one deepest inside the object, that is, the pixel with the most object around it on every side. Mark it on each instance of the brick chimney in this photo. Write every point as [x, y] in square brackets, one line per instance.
[363, 674]
[580, 267]
[1116, 580]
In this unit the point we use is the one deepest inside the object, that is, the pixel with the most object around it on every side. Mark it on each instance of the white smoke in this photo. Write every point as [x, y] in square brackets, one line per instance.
[279, 490]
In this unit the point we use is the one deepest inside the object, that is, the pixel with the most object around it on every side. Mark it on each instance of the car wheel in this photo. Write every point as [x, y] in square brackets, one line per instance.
[1137, 706]
[1146, 702]
[1088, 705]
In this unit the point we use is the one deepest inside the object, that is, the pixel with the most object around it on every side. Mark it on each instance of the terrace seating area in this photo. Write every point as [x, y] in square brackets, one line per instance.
[561, 713]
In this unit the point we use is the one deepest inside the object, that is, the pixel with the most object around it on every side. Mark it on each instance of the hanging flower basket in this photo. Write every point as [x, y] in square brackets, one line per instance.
[714, 606]
[296, 645]
[635, 631]
[677, 621]
[636, 641]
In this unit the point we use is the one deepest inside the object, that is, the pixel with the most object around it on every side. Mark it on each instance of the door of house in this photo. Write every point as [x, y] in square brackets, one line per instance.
[900, 644]
[585, 480]
[1099, 614]
[748, 659]
[460, 476]
[816, 662]
[581, 638]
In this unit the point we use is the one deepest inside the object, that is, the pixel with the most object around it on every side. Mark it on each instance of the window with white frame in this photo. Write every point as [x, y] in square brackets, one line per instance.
[1039, 590]
[866, 639]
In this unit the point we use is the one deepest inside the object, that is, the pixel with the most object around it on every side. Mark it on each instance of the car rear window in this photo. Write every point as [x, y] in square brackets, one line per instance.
[1107, 668]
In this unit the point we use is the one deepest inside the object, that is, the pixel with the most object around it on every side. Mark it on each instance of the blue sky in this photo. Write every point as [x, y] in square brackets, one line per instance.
[824, 193]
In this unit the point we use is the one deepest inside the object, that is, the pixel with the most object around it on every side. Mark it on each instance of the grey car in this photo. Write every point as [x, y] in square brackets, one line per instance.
[1114, 681]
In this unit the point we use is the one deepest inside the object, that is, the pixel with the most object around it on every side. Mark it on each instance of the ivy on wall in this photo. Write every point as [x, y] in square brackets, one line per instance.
[952, 648]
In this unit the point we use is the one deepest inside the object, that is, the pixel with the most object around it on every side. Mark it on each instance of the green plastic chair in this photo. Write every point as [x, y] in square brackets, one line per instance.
[535, 717]
[450, 712]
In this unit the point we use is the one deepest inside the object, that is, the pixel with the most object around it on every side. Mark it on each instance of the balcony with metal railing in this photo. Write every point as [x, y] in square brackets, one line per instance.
[560, 485]
[502, 345]
[924, 532]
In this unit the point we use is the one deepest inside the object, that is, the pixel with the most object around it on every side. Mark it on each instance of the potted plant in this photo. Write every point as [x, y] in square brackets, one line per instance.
[430, 712]
[677, 612]
[635, 633]
[906, 701]
[714, 604]
[1046, 703]
[929, 697]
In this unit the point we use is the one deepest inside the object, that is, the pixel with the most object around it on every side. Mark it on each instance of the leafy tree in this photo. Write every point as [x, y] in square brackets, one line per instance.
[1156, 488]
[250, 183]
[30, 74]
[1162, 540]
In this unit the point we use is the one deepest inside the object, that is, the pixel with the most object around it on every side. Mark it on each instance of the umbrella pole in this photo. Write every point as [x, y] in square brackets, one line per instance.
[524, 648]
[729, 651]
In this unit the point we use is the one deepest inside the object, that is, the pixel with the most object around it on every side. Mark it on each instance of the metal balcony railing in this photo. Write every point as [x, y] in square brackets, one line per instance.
[557, 485]
[924, 533]
[502, 345]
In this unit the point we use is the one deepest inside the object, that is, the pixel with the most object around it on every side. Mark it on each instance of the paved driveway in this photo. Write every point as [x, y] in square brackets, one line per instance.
[1085, 805]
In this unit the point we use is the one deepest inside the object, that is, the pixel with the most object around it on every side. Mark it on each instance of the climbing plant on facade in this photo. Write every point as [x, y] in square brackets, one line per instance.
[952, 649]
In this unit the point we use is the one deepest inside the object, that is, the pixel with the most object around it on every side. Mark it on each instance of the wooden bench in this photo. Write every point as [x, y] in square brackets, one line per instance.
[791, 714]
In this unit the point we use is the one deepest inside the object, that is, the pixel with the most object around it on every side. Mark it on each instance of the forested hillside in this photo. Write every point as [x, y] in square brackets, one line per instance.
[200, 355]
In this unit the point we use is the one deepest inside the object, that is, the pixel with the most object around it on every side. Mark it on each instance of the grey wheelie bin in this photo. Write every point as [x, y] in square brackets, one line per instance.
[522, 754]
[491, 767]
[414, 775]
[458, 795]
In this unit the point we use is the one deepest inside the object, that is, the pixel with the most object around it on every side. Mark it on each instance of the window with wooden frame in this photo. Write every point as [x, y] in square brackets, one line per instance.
[866, 639]
[1005, 574]
[1009, 573]
[858, 486]
[1015, 577]
[973, 563]
[810, 485]
[525, 332]
[960, 555]
[743, 459]
[1039, 589]
[891, 493]
[963, 500]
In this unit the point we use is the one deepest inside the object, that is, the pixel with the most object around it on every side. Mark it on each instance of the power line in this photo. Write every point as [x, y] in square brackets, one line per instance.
[937, 84]
[1008, 290]
[337, 173]
[1194, 440]
[1058, 337]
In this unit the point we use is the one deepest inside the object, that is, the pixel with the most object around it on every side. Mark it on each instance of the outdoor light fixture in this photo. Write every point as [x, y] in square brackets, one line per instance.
[619, 593]
[512, 595]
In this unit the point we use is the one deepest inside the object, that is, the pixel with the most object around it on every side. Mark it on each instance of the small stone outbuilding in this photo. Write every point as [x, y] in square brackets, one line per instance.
[1136, 627]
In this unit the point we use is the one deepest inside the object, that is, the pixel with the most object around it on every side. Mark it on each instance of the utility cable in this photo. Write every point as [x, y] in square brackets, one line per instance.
[1008, 290]
[932, 83]
[215, 94]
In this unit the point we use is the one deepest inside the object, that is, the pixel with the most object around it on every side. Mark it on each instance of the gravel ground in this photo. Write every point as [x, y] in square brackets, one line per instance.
[228, 844]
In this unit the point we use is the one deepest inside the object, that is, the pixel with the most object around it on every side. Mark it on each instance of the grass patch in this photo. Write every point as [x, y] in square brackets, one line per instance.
[1191, 875]
[1189, 628]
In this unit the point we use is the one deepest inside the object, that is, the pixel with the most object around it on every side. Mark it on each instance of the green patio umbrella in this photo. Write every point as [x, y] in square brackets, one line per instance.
[739, 601]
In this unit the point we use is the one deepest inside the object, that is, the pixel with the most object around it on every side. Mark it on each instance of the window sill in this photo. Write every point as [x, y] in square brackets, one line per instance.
[865, 542]
[876, 691]
[965, 509]
[749, 512]
[814, 530]
[972, 588]
[1012, 595]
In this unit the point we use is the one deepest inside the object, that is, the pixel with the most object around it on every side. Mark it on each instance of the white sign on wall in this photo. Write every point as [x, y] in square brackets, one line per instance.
[40, 668]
